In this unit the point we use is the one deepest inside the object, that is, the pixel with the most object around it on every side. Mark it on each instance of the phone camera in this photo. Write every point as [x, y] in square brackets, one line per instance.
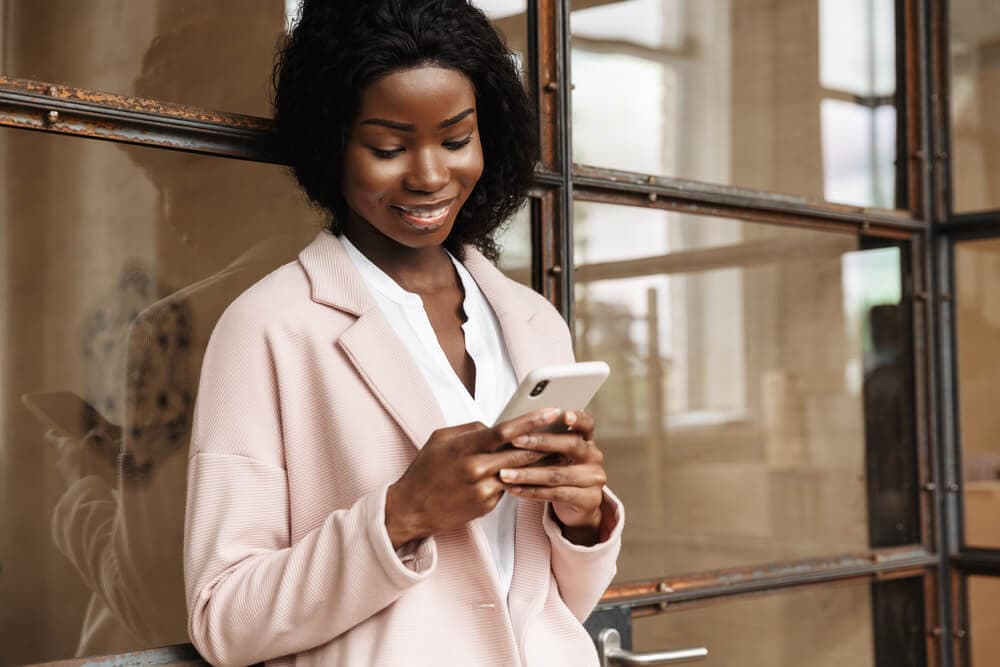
[539, 388]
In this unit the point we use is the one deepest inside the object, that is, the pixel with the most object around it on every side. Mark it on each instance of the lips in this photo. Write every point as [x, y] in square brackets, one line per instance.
[425, 213]
[425, 217]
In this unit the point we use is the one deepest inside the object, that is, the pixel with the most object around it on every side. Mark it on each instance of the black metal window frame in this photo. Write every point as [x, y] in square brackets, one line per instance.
[925, 224]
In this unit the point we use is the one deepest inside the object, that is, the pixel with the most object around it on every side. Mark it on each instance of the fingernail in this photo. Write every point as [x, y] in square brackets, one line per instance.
[522, 440]
[570, 418]
[551, 413]
[508, 475]
[514, 489]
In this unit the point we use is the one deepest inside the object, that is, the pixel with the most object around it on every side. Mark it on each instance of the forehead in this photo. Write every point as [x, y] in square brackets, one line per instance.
[418, 95]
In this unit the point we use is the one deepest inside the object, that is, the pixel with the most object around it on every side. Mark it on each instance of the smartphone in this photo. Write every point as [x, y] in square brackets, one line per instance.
[565, 386]
[69, 414]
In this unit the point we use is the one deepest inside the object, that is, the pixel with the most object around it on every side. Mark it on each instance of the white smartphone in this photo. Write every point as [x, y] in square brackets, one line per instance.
[565, 386]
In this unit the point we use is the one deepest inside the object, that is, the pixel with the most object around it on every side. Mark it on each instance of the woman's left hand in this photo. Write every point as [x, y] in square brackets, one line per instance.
[575, 487]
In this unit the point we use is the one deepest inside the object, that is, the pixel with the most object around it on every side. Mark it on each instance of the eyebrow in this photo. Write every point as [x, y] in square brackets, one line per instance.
[407, 127]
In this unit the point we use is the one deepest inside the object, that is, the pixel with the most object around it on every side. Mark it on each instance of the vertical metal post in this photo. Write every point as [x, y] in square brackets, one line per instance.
[564, 235]
[931, 34]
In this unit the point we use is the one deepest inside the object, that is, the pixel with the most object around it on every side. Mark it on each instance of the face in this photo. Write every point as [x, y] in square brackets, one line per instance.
[413, 156]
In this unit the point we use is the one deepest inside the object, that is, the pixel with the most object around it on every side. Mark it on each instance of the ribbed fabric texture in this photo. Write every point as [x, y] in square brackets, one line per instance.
[309, 407]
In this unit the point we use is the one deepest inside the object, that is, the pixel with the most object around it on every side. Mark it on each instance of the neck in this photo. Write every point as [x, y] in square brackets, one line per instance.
[418, 270]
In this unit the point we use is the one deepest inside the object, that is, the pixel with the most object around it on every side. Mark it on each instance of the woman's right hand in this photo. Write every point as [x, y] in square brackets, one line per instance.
[455, 477]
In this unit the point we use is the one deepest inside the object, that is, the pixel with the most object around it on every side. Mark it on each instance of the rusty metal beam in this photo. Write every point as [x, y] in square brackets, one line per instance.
[706, 199]
[38, 106]
[876, 565]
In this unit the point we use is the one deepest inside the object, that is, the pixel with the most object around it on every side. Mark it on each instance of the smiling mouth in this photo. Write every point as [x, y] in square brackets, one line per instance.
[425, 218]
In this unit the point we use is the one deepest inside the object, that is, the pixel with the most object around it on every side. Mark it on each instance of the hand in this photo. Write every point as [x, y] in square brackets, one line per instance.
[576, 487]
[454, 478]
[82, 458]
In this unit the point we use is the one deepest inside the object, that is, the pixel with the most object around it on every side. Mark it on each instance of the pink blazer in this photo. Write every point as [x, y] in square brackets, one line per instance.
[309, 407]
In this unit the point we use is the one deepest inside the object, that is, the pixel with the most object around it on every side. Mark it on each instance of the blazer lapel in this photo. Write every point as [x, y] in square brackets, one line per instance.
[529, 343]
[371, 344]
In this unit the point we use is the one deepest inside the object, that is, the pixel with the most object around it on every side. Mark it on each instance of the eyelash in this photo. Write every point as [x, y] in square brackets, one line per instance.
[450, 145]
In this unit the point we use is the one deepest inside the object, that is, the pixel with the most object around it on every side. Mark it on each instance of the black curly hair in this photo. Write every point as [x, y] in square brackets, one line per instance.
[338, 47]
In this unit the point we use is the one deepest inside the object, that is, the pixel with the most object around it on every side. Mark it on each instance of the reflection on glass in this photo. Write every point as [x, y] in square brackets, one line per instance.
[757, 408]
[206, 53]
[737, 93]
[984, 620]
[819, 626]
[117, 262]
[975, 103]
[977, 328]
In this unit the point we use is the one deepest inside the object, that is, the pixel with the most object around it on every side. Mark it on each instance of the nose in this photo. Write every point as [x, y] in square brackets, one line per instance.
[429, 172]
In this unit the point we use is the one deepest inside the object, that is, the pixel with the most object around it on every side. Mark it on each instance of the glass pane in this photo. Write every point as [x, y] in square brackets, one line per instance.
[984, 620]
[739, 93]
[818, 626]
[977, 327]
[515, 246]
[975, 103]
[759, 406]
[115, 263]
[216, 54]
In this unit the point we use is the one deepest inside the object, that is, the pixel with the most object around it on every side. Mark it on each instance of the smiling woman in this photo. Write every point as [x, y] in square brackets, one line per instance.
[318, 113]
[352, 507]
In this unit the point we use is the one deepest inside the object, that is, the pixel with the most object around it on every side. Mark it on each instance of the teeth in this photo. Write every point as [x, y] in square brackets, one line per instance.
[424, 213]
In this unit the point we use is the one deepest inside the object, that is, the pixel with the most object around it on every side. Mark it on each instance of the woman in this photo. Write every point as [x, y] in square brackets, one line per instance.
[346, 503]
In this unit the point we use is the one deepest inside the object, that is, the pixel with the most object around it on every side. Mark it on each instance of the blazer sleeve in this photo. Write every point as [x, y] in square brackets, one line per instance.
[251, 594]
[584, 573]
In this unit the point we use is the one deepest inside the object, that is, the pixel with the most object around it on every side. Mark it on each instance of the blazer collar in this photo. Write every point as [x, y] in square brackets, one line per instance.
[382, 359]
[336, 282]
[333, 279]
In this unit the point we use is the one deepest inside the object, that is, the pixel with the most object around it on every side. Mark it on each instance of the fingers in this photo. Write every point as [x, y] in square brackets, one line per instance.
[488, 439]
[493, 463]
[572, 446]
[581, 476]
[581, 422]
[487, 466]
[575, 496]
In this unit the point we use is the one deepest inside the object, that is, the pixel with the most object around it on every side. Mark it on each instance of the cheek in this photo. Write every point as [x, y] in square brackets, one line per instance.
[470, 169]
[366, 179]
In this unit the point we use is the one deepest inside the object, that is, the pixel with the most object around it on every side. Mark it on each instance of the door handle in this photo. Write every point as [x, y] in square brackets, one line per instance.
[611, 653]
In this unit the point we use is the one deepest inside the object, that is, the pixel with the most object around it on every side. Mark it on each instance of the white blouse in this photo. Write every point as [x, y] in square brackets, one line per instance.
[495, 379]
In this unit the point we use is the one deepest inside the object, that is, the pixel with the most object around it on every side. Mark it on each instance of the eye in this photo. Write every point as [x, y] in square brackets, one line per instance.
[385, 154]
[455, 145]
